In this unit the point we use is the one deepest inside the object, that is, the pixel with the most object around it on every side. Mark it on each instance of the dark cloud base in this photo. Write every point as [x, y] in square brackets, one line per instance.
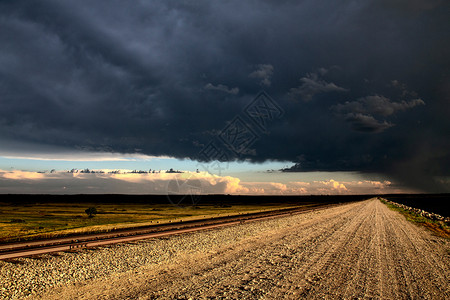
[165, 78]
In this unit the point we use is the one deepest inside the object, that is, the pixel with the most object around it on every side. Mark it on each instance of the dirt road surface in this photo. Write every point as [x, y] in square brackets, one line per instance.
[358, 250]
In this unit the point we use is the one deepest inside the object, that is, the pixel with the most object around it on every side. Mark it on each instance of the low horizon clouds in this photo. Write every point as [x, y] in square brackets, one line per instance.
[63, 182]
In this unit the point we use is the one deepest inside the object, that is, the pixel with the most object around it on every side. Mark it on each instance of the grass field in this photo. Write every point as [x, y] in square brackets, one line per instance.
[45, 220]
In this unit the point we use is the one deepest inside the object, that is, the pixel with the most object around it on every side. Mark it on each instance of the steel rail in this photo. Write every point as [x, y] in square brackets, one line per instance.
[32, 248]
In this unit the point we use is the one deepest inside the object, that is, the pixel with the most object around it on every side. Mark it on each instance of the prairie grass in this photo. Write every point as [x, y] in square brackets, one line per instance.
[47, 220]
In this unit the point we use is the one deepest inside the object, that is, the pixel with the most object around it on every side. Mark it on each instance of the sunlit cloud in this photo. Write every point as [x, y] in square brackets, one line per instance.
[334, 185]
[123, 181]
[21, 175]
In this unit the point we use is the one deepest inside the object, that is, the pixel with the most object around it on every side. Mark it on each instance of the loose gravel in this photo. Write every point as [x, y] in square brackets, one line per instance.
[358, 250]
[31, 276]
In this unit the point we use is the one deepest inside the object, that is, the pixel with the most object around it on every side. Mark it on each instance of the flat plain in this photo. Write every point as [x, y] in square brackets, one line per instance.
[356, 250]
[27, 221]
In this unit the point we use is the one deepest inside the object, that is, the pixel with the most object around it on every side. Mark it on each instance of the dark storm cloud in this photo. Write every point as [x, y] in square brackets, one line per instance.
[366, 123]
[376, 105]
[222, 88]
[311, 85]
[264, 73]
[360, 113]
[162, 78]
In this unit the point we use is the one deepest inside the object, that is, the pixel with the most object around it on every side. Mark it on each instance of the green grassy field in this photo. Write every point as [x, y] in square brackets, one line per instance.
[45, 220]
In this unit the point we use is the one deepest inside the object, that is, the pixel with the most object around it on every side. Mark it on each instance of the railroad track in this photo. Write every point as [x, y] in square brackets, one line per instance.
[39, 247]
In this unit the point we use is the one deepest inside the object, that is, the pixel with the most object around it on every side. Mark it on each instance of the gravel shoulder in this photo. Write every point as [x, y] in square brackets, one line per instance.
[357, 250]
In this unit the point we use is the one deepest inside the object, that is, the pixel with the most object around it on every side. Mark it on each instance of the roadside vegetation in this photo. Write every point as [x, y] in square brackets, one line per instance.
[48, 220]
[439, 227]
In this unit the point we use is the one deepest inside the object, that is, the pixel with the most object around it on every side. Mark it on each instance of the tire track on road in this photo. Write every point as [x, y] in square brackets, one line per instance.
[359, 250]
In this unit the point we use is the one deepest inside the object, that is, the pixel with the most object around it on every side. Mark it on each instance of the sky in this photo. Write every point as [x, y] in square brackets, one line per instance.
[244, 97]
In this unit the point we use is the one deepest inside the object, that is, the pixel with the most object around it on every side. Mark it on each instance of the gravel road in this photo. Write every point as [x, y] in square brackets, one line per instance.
[357, 250]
